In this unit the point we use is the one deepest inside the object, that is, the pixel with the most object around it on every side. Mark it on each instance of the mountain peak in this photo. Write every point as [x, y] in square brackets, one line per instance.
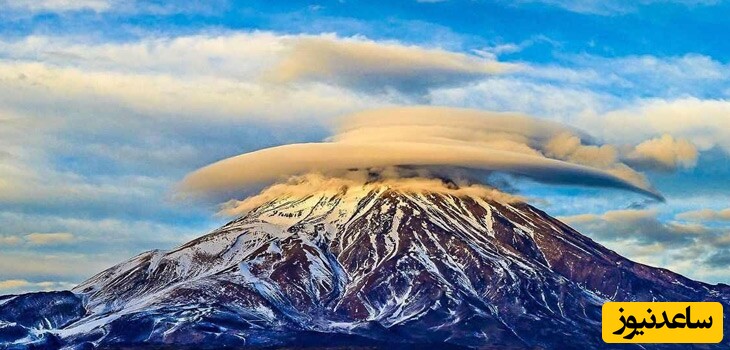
[377, 263]
[302, 188]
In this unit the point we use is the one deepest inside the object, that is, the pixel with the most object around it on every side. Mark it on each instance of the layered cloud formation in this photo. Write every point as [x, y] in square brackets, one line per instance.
[95, 130]
[408, 69]
[444, 137]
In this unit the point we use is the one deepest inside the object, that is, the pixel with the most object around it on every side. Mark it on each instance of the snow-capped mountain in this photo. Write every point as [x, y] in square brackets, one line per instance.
[370, 266]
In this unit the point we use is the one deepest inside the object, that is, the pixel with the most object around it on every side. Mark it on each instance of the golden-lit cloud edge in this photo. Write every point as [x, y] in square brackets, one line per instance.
[277, 163]
[432, 137]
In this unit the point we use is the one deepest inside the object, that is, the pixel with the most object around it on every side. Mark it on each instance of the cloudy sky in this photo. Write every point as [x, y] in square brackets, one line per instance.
[107, 105]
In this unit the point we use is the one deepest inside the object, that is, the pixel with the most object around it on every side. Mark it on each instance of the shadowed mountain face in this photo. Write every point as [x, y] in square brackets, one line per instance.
[365, 268]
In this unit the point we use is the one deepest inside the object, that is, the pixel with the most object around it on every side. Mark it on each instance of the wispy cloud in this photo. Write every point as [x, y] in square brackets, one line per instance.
[50, 238]
[614, 7]
[125, 7]
[705, 215]
[10, 240]
[637, 225]
[688, 248]
[17, 286]
[58, 5]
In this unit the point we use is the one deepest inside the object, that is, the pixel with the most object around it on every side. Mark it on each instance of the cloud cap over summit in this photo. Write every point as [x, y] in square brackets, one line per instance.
[433, 136]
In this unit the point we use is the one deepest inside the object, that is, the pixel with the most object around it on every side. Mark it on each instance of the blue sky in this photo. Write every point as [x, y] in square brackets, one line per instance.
[106, 105]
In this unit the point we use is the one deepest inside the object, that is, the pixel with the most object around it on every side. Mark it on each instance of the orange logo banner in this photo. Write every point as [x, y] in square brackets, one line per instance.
[662, 322]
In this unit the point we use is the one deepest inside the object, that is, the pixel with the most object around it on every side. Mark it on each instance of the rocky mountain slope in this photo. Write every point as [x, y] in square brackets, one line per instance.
[371, 267]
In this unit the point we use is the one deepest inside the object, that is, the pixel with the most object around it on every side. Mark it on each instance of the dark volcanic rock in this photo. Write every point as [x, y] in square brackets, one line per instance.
[24, 315]
[365, 267]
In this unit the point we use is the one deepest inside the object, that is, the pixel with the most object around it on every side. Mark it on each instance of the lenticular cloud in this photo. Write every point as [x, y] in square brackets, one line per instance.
[433, 137]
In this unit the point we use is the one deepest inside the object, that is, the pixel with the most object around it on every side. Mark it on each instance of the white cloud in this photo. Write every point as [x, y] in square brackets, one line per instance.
[521, 94]
[705, 123]
[667, 77]
[112, 6]
[664, 152]
[232, 55]
[165, 96]
[705, 215]
[613, 7]
[58, 5]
